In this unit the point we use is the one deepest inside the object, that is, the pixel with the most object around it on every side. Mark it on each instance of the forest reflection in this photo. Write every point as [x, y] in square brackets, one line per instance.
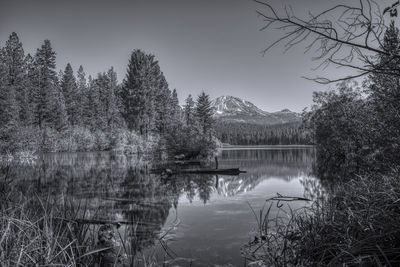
[117, 188]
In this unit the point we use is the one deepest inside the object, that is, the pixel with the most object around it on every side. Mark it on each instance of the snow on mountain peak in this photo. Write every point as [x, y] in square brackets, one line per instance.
[230, 108]
[230, 105]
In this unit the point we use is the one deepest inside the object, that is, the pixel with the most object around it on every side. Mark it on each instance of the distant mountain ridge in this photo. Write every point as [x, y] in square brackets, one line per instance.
[235, 109]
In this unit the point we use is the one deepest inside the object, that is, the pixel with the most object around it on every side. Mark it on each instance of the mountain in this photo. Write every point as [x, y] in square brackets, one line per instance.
[234, 109]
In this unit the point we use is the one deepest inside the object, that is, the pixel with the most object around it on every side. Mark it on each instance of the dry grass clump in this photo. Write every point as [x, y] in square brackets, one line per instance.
[358, 224]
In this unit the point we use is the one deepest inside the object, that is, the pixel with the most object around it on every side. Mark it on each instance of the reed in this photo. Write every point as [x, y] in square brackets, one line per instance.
[357, 224]
[40, 231]
[34, 233]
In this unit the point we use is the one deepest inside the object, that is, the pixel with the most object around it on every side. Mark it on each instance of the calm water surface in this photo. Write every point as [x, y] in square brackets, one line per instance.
[204, 219]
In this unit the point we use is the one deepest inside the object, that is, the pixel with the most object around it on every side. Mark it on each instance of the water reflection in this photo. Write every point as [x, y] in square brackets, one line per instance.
[118, 188]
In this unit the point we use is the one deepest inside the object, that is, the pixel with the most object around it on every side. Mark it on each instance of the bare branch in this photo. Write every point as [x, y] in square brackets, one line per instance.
[324, 80]
[343, 35]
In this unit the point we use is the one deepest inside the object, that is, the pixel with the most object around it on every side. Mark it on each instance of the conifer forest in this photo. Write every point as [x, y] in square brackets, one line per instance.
[46, 111]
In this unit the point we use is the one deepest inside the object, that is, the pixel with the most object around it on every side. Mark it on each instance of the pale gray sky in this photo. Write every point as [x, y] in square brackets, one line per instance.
[210, 45]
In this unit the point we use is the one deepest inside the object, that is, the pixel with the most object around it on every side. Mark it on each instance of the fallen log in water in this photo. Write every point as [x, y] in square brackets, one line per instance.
[167, 171]
[105, 222]
[187, 162]
[233, 171]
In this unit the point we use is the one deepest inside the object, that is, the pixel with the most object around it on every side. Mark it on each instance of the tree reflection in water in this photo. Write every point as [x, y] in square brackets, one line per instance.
[117, 188]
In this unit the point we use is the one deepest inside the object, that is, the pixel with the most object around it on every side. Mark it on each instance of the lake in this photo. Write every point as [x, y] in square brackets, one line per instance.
[204, 220]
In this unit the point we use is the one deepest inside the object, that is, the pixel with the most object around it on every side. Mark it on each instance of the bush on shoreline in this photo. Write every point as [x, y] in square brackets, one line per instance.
[32, 140]
[356, 225]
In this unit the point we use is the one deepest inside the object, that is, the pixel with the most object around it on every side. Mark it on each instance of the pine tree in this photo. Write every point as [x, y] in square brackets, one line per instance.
[114, 119]
[87, 105]
[82, 93]
[71, 96]
[81, 79]
[162, 107]
[15, 61]
[189, 111]
[8, 107]
[60, 112]
[175, 108]
[99, 94]
[204, 113]
[45, 84]
[60, 76]
[132, 93]
[29, 85]
[139, 90]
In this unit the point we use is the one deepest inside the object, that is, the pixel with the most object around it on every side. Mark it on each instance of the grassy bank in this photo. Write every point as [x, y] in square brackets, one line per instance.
[357, 224]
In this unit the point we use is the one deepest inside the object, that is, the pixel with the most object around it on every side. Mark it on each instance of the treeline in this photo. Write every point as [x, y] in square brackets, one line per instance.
[41, 110]
[237, 133]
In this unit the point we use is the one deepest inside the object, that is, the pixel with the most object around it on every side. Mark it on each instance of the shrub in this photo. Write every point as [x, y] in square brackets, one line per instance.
[83, 138]
[48, 140]
[128, 142]
[343, 127]
[101, 141]
[28, 138]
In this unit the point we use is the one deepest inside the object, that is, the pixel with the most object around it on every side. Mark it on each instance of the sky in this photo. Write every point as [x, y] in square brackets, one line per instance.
[202, 45]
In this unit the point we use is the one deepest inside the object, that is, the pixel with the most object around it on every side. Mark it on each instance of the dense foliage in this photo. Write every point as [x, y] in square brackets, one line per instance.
[43, 111]
[356, 130]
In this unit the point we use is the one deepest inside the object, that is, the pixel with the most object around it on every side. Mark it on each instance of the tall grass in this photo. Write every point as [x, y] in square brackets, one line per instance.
[50, 236]
[271, 244]
[358, 224]
[33, 233]
[39, 231]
